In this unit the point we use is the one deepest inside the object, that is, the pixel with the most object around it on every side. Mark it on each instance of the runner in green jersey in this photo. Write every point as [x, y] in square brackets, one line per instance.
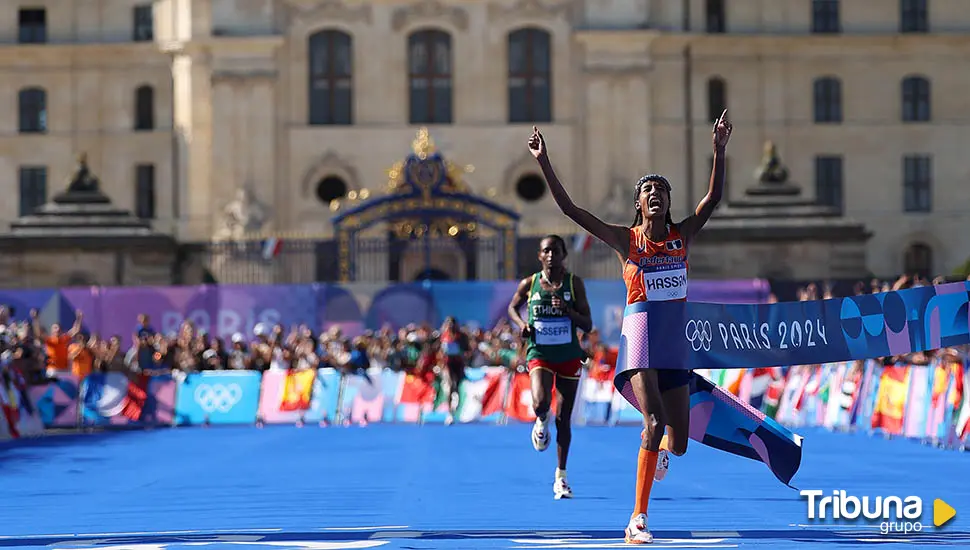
[557, 306]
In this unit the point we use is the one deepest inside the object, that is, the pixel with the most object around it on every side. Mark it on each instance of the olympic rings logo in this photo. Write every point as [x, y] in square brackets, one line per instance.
[217, 397]
[699, 334]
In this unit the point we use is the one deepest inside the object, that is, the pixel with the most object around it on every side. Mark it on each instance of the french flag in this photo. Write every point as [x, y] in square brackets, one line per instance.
[271, 248]
[582, 242]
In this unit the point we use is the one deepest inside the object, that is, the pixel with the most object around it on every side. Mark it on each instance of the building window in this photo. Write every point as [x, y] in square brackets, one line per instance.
[145, 191]
[917, 183]
[331, 92]
[828, 181]
[32, 26]
[916, 99]
[429, 73]
[33, 188]
[918, 260]
[828, 100]
[142, 24]
[145, 108]
[913, 16]
[33, 110]
[716, 98]
[331, 188]
[530, 76]
[825, 16]
[530, 188]
[715, 16]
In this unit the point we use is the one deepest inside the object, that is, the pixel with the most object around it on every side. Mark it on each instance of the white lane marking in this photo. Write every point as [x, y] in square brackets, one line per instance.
[140, 533]
[364, 528]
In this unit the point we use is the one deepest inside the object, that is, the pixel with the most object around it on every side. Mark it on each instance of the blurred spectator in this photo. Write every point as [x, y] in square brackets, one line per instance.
[56, 342]
[81, 356]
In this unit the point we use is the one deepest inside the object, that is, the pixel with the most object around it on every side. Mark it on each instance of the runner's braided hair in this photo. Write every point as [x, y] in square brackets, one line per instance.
[638, 218]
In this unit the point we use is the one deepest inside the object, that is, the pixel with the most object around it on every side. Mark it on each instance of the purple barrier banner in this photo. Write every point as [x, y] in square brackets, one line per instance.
[356, 307]
[56, 402]
[20, 302]
[88, 301]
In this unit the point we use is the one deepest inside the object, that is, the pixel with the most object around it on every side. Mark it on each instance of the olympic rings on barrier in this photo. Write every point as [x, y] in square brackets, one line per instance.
[218, 397]
[699, 334]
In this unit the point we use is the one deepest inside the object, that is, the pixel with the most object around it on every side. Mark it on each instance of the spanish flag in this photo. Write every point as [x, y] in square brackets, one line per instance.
[298, 390]
[891, 399]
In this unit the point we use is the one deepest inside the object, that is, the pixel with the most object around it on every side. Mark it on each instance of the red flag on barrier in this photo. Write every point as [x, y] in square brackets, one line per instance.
[418, 388]
[10, 409]
[298, 390]
[891, 399]
[493, 398]
[137, 396]
[519, 405]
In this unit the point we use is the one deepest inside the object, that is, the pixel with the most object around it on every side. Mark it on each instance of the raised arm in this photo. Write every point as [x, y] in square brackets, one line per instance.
[705, 208]
[76, 328]
[616, 236]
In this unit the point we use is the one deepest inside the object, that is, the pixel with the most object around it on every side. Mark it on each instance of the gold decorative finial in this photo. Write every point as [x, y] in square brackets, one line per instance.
[423, 145]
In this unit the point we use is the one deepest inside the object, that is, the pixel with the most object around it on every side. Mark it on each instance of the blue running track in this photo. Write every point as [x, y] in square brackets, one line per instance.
[422, 487]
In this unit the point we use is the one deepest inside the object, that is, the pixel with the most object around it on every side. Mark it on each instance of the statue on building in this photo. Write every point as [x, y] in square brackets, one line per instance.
[83, 180]
[772, 176]
[771, 170]
[243, 216]
[83, 187]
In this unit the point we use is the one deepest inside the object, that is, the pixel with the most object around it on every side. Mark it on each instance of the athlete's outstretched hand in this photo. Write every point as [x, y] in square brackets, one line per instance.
[537, 145]
[722, 131]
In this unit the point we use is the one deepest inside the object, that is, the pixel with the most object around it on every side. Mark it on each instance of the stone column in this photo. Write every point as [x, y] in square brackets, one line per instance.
[193, 128]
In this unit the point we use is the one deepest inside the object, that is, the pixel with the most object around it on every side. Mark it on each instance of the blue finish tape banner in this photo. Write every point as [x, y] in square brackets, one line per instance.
[720, 420]
[694, 335]
[222, 397]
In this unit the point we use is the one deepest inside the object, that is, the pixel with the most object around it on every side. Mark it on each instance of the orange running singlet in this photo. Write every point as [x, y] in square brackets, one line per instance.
[655, 271]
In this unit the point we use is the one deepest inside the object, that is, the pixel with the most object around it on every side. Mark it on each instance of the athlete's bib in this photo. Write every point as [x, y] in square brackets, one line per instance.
[666, 284]
[553, 332]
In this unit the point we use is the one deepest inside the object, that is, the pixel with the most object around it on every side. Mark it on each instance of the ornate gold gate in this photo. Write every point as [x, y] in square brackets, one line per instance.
[429, 225]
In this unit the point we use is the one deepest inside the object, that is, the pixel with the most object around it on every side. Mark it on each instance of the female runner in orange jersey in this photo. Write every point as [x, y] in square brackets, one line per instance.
[653, 252]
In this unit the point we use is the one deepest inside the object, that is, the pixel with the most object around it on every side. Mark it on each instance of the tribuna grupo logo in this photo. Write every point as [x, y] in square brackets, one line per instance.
[894, 514]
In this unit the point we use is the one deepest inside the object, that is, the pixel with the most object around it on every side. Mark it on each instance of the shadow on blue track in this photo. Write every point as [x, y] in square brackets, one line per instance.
[799, 535]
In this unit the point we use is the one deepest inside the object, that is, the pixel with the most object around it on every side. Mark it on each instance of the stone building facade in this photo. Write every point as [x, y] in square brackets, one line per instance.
[184, 105]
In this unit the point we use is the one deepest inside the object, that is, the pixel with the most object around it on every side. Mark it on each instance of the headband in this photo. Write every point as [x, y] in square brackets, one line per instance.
[654, 177]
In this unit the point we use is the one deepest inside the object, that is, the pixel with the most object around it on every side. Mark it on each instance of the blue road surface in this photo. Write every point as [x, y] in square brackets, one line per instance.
[422, 487]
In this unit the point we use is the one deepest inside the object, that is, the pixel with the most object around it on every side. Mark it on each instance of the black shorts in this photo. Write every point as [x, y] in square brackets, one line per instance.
[668, 379]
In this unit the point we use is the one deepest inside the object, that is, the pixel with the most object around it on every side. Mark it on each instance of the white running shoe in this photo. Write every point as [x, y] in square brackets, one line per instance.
[562, 489]
[663, 463]
[636, 531]
[540, 434]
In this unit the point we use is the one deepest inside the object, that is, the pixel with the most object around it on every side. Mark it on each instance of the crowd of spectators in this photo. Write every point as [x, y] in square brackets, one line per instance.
[40, 352]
